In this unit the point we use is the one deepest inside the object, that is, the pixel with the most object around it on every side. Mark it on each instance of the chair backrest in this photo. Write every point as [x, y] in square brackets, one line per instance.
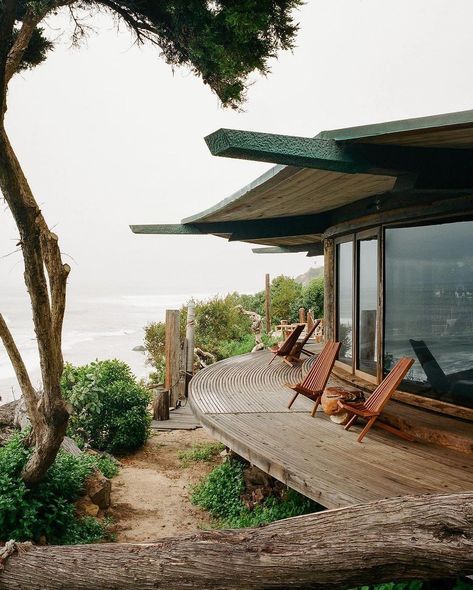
[309, 334]
[380, 396]
[317, 377]
[290, 341]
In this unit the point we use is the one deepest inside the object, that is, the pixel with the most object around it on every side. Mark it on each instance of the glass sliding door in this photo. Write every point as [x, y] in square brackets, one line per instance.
[367, 305]
[345, 301]
[429, 308]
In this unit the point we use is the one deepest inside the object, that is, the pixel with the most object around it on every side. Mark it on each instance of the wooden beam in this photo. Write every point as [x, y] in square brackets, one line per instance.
[323, 154]
[172, 354]
[166, 228]
[190, 344]
[329, 290]
[267, 302]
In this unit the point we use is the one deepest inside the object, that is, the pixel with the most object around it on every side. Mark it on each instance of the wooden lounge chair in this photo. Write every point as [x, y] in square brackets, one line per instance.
[316, 379]
[374, 405]
[284, 350]
[299, 349]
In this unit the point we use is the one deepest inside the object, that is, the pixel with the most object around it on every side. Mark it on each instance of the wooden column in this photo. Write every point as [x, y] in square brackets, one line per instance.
[161, 404]
[302, 316]
[329, 289]
[173, 350]
[267, 303]
[190, 344]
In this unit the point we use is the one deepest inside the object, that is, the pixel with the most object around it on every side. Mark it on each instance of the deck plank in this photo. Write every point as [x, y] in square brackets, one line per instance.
[243, 403]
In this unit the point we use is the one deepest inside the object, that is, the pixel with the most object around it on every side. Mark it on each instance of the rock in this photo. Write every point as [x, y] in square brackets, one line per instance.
[70, 447]
[139, 348]
[85, 507]
[7, 413]
[21, 416]
[98, 488]
[259, 486]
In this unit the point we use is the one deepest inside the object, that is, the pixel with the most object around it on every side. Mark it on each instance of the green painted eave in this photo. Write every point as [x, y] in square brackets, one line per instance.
[289, 150]
[361, 132]
[166, 228]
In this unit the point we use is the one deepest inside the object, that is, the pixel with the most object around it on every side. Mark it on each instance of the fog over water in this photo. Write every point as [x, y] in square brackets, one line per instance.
[109, 136]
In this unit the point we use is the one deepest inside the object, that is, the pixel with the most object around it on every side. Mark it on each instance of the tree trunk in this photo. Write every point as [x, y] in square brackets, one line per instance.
[48, 412]
[423, 537]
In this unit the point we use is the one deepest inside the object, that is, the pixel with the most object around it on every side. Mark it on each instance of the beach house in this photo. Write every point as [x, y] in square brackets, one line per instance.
[390, 207]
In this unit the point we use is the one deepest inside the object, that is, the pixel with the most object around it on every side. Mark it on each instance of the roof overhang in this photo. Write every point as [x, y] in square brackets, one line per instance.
[290, 206]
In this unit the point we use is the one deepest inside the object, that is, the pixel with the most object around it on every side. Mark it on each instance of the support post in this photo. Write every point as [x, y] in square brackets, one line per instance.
[161, 404]
[302, 316]
[268, 303]
[329, 289]
[190, 344]
[173, 350]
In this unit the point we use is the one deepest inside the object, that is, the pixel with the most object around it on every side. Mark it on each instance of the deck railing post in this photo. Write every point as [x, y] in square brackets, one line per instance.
[268, 303]
[173, 353]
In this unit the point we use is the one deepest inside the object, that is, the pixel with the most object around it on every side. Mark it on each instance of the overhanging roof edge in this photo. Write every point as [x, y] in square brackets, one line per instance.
[286, 172]
[375, 129]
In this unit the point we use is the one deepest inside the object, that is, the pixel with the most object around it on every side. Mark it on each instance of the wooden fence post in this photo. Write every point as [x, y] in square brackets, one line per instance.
[268, 304]
[190, 344]
[173, 353]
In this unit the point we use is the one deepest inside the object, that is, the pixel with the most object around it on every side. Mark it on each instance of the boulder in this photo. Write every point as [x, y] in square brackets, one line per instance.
[98, 488]
[85, 507]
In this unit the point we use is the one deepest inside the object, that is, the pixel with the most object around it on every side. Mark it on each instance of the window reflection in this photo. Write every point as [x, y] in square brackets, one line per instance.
[429, 308]
[345, 301]
[367, 305]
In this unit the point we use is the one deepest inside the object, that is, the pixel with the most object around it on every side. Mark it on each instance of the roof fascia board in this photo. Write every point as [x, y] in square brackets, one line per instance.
[361, 132]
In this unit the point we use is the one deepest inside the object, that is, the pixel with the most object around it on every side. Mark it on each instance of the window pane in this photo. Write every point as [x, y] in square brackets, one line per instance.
[367, 305]
[429, 308]
[345, 301]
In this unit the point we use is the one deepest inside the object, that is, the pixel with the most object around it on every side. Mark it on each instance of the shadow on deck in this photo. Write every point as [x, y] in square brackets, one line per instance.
[243, 403]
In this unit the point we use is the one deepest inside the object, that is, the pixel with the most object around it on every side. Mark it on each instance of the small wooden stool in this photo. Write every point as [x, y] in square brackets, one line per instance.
[330, 398]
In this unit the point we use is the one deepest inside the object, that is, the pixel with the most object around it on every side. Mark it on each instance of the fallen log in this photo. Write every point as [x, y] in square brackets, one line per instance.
[424, 537]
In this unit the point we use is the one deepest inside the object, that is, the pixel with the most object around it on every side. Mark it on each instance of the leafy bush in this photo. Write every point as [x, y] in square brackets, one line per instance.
[220, 494]
[285, 299]
[110, 409]
[155, 335]
[312, 297]
[47, 508]
[200, 452]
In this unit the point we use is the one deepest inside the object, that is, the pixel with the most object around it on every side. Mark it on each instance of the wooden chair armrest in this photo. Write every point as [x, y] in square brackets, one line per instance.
[357, 408]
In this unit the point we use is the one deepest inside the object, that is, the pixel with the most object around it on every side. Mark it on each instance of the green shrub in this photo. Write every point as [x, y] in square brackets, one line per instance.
[220, 494]
[313, 297]
[154, 343]
[110, 409]
[285, 299]
[200, 452]
[47, 508]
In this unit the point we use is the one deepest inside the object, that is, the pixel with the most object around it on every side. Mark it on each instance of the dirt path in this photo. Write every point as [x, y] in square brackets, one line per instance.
[150, 496]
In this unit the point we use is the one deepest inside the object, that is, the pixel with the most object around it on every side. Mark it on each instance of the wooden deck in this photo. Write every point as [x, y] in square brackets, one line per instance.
[243, 403]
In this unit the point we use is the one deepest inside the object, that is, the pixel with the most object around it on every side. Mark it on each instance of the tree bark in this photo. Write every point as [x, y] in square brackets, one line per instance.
[45, 278]
[424, 537]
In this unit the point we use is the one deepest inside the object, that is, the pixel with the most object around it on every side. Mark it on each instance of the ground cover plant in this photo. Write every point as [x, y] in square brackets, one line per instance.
[110, 408]
[47, 510]
[418, 585]
[200, 452]
[220, 493]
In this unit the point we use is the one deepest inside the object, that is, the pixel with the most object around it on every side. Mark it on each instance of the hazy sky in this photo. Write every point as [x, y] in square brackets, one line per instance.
[109, 136]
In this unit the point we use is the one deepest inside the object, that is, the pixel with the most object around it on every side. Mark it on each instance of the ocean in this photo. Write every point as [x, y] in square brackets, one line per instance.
[94, 328]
